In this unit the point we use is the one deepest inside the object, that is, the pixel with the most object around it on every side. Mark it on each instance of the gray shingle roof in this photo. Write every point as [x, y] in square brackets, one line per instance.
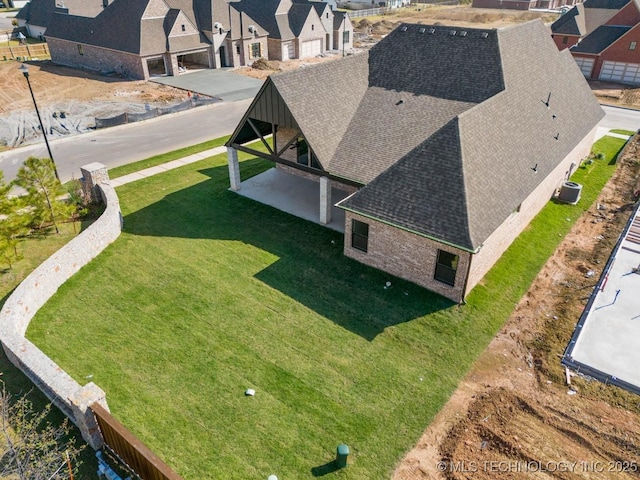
[600, 39]
[135, 26]
[444, 130]
[40, 12]
[571, 23]
[465, 180]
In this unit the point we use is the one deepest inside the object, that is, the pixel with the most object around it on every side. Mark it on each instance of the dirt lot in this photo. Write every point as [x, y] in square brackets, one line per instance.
[80, 95]
[514, 415]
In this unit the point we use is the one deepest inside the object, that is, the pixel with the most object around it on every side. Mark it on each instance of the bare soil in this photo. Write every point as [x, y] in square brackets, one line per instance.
[514, 415]
[81, 95]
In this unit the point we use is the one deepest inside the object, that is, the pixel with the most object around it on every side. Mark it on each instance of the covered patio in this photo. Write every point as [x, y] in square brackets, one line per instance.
[295, 195]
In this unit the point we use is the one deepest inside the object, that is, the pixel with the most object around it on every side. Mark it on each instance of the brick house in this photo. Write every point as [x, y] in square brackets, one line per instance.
[450, 140]
[603, 38]
[139, 38]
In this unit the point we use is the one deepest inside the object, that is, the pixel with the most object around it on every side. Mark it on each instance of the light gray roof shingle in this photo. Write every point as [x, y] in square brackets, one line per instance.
[443, 130]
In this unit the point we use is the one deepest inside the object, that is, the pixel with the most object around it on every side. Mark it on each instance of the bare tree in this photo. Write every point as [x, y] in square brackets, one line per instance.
[31, 447]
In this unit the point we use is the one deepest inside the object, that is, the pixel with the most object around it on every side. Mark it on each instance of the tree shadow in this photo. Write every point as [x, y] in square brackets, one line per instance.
[311, 267]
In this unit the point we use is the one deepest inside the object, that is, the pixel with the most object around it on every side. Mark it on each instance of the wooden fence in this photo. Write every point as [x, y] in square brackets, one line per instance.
[130, 449]
[37, 51]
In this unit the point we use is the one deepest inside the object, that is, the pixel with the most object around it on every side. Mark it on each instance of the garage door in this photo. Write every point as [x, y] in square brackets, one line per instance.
[586, 65]
[311, 48]
[621, 72]
[287, 51]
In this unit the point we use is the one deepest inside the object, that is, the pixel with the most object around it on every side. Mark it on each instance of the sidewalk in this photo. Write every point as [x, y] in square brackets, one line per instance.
[148, 172]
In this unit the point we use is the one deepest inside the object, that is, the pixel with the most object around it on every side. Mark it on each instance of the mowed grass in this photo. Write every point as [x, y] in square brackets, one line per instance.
[206, 294]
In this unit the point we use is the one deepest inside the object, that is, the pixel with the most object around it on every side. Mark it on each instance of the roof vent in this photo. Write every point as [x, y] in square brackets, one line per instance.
[484, 34]
[422, 30]
[432, 31]
[404, 29]
[452, 33]
[463, 34]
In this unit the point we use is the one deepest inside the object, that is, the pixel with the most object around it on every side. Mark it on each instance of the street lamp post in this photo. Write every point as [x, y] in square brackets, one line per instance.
[25, 71]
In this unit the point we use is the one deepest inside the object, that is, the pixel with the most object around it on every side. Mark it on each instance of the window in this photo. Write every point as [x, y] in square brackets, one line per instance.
[446, 266]
[184, 29]
[359, 235]
[327, 14]
[632, 46]
[255, 50]
[80, 51]
[238, 49]
[345, 37]
[304, 154]
[565, 40]
[313, 27]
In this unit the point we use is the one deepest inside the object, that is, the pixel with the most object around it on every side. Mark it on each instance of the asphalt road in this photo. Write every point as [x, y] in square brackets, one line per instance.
[129, 143]
[621, 118]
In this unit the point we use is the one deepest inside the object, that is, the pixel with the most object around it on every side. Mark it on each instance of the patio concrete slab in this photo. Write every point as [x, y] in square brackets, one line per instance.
[294, 195]
[608, 338]
[220, 83]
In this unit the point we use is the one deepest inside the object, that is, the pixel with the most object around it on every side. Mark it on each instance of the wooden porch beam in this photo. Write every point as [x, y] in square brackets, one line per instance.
[257, 132]
[274, 158]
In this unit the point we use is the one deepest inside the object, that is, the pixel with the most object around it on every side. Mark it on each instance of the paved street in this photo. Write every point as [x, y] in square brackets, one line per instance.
[132, 142]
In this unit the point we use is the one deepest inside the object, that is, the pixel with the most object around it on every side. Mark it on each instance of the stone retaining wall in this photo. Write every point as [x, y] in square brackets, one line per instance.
[63, 391]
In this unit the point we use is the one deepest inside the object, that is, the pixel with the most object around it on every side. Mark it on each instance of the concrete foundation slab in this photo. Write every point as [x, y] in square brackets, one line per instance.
[607, 339]
[293, 194]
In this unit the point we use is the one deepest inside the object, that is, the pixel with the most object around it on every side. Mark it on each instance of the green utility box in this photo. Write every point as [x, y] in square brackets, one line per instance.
[342, 455]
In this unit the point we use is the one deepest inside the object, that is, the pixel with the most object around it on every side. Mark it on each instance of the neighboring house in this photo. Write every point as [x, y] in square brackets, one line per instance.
[450, 140]
[37, 14]
[342, 32]
[524, 4]
[603, 37]
[297, 29]
[139, 38]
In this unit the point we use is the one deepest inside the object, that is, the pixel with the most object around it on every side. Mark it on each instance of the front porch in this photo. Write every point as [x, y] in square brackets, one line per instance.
[295, 195]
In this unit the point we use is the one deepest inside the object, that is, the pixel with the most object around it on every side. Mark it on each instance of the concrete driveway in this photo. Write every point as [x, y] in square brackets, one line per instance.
[220, 83]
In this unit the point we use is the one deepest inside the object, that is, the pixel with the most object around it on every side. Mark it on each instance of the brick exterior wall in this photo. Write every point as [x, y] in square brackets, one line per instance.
[505, 234]
[558, 39]
[406, 255]
[98, 59]
[413, 257]
[628, 15]
[619, 51]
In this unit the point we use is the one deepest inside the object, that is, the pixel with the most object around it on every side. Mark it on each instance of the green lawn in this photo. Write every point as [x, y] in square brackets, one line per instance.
[165, 157]
[207, 293]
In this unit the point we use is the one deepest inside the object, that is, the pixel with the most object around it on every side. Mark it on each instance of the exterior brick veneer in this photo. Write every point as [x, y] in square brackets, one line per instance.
[35, 290]
[413, 257]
